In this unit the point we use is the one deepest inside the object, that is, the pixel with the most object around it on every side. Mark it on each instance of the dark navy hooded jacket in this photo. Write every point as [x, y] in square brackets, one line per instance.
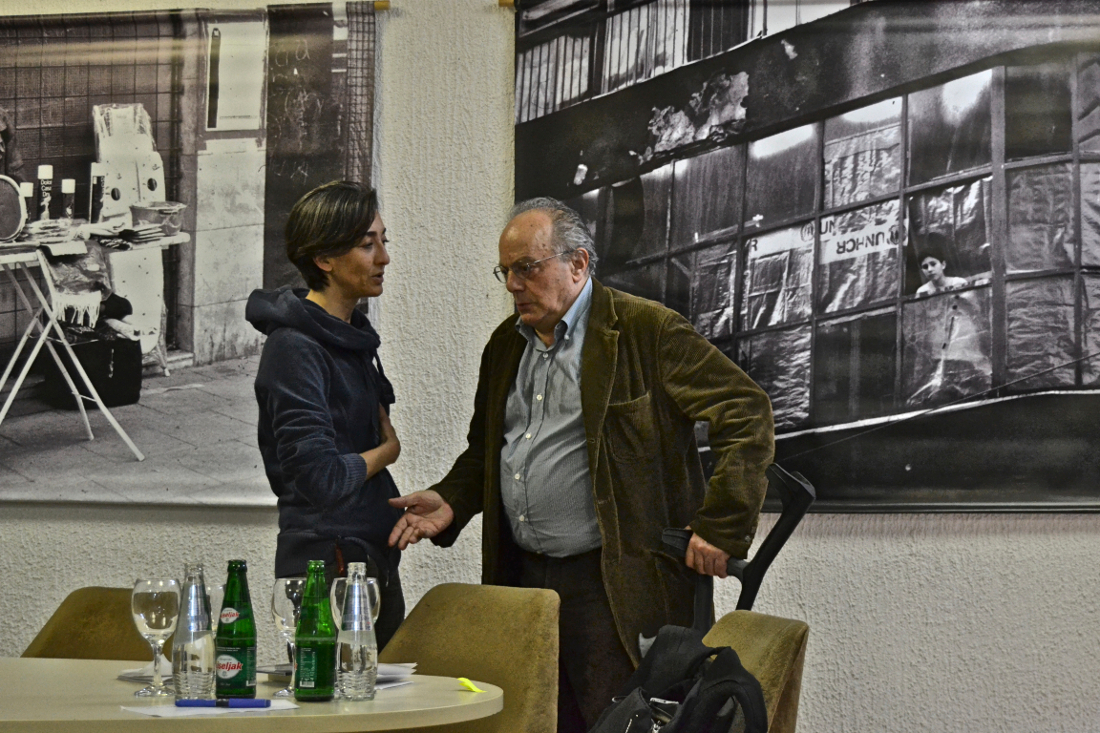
[319, 386]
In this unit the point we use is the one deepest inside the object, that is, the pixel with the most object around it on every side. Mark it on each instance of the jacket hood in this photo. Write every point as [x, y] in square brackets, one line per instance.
[268, 310]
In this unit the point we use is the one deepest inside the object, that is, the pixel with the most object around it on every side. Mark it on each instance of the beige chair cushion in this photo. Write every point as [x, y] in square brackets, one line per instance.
[91, 623]
[773, 649]
[505, 636]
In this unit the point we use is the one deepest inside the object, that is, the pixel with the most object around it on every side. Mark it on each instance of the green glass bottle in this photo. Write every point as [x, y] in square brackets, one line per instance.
[235, 642]
[315, 641]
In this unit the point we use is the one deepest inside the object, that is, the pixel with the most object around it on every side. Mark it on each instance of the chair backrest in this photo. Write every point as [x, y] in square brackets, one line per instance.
[505, 636]
[773, 649]
[91, 623]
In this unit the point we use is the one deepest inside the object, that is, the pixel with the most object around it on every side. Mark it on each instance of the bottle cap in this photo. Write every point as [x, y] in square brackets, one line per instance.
[26, 189]
[45, 171]
[68, 185]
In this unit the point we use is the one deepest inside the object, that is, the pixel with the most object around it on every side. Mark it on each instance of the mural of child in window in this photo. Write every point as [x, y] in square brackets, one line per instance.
[933, 266]
[947, 334]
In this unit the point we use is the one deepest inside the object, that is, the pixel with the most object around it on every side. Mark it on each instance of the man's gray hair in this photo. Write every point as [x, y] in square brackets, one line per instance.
[569, 232]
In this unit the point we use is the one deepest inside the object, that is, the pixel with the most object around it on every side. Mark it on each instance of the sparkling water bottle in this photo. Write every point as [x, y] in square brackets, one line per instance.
[193, 647]
[356, 647]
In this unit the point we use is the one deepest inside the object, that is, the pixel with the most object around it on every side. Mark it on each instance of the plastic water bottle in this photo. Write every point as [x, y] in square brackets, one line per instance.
[356, 646]
[193, 647]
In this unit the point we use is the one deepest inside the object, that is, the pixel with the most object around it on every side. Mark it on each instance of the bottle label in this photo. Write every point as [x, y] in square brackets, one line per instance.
[229, 666]
[232, 662]
[229, 615]
[307, 668]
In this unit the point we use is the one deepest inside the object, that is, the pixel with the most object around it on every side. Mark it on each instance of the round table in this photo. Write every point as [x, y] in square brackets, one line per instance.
[61, 695]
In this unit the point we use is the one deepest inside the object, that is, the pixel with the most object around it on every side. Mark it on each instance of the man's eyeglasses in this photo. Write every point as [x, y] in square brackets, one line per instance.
[524, 270]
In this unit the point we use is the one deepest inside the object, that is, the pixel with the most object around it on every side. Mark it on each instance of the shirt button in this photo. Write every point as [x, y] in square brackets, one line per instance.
[522, 518]
[528, 436]
[517, 477]
[545, 356]
[538, 397]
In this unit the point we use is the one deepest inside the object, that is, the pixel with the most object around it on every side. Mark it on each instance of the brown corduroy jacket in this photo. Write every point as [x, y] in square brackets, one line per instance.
[646, 378]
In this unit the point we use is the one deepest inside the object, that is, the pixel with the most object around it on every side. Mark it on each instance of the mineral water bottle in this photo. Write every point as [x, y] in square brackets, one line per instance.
[356, 649]
[235, 642]
[315, 641]
[193, 646]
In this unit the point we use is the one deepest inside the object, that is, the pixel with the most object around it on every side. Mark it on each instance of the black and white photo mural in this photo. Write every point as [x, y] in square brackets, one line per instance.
[228, 115]
[886, 212]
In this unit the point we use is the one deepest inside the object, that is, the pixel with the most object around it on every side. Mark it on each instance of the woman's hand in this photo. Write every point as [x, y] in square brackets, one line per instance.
[388, 449]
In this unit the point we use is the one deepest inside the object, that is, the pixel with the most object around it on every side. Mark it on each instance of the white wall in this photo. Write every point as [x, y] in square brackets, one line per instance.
[918, 622]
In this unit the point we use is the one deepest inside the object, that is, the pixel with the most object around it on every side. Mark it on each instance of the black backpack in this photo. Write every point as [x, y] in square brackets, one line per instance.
[679, 688]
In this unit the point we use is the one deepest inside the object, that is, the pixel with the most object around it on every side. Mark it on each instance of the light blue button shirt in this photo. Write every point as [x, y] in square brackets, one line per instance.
[544, 475]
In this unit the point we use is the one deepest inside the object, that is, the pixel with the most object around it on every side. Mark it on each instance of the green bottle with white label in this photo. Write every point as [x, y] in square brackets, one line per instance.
[235, 642]
[315, 641]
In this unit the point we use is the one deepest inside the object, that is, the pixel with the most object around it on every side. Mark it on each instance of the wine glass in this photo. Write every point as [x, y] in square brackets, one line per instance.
[215, 594]
[286, 603]
[155, 604]
[340, 588]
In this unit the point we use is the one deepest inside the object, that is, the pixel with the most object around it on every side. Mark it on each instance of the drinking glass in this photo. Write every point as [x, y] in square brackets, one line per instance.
[286, 602]
[155, 604]
[339, 589]
[215, 593]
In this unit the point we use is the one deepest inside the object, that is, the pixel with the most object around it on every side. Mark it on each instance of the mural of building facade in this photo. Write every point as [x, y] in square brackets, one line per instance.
[886, 214]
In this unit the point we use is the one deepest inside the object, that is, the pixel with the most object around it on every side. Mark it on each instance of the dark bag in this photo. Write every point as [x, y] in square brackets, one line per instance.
[112, 362]
[679, 688]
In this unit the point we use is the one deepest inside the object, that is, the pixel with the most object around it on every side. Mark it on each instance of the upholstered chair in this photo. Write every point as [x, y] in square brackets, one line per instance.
[91, 623]
[773, 649]
[504, 636]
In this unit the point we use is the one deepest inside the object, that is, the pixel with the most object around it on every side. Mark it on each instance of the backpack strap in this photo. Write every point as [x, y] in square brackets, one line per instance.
[709, 707]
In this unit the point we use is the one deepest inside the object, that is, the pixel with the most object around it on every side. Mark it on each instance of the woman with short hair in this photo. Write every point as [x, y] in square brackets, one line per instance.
[324, 428]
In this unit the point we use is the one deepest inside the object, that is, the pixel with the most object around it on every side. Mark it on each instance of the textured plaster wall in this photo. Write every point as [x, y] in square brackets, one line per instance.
[46, 551]
[443, 159]
[943, 622]
[918, 622]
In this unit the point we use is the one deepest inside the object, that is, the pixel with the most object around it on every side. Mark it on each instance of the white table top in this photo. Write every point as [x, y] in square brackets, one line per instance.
[26, 250]
[63, 695]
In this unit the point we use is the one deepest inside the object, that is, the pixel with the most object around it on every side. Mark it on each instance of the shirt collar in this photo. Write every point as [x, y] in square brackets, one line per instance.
[567, 326]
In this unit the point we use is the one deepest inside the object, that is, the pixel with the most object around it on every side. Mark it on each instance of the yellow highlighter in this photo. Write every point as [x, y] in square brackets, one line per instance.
[469, 685]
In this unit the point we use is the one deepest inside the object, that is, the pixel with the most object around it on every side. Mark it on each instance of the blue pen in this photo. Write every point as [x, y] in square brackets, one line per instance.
[233, 702]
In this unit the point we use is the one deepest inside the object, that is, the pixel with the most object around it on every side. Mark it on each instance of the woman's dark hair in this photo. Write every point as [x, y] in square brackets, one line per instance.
[327, 222]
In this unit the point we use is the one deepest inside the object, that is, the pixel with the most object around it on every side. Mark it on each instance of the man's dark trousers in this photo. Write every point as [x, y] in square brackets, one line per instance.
[592, 664]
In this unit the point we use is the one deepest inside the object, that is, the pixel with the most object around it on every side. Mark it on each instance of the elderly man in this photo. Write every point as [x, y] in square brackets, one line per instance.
[582, 449]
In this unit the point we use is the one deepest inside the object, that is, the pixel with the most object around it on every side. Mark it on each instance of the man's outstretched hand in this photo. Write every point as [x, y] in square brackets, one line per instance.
[426, 515]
